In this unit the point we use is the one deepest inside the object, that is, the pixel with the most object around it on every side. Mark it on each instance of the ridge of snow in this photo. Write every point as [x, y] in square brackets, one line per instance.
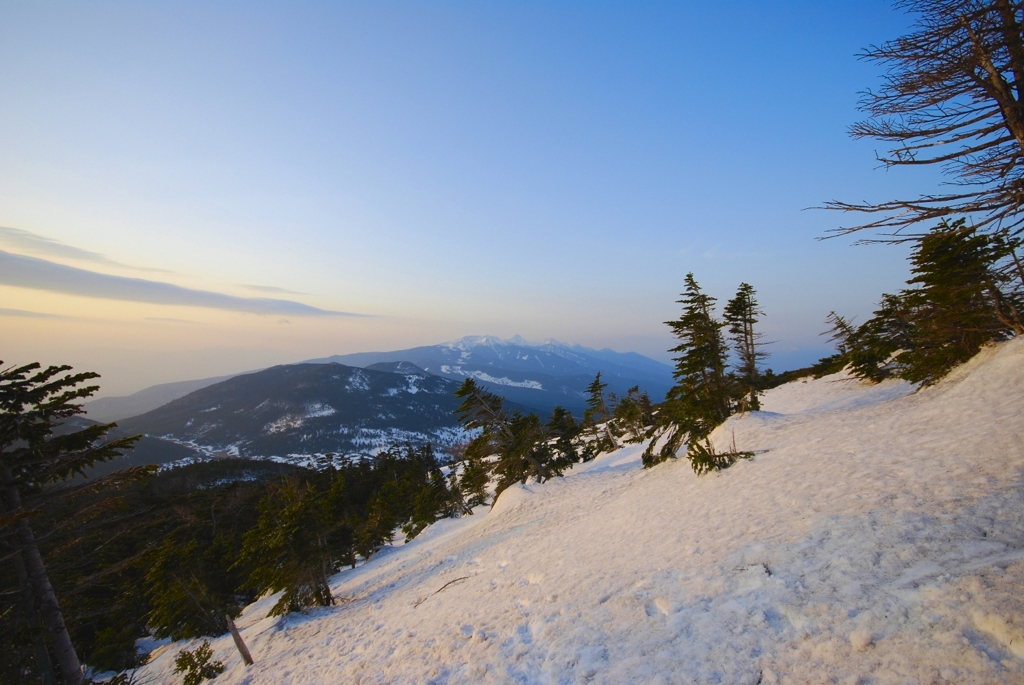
[877, 536]
[488, 378]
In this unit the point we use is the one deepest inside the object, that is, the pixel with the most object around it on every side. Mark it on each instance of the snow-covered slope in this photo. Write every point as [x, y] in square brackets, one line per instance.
[877, 537]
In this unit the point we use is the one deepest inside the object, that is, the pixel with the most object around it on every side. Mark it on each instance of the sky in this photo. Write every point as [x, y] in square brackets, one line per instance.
[197, 189]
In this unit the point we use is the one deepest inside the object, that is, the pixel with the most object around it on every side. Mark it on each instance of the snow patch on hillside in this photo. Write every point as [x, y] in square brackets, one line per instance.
[877, 537]
[488, 378]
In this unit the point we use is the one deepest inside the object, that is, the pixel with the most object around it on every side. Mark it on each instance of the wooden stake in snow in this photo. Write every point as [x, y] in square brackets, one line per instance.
[242, 649]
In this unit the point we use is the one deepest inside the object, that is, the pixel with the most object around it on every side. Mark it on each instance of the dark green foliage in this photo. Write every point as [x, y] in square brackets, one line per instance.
[515, 447]
[166, 554]
[597, 405]
[704, 458]
[524, 453]
[958, 305]
[473, 479]
[178, 586]
[196, 665]
[741, 314]
[964, 296]
[563, 434]
[705, 394]
[700, 400]
[297, 544]
[595, 419]
[34, 458]
[633, 417]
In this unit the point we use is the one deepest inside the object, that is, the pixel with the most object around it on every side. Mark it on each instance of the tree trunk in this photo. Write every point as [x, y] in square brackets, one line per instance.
[67, 658]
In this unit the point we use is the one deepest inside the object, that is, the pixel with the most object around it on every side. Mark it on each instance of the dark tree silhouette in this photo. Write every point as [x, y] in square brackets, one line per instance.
[951, 96]
[32, 460]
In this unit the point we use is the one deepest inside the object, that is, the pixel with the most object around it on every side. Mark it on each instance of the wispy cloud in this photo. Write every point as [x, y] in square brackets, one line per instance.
[270, 289]
[39, 274]
[27, 241]
[30, 315]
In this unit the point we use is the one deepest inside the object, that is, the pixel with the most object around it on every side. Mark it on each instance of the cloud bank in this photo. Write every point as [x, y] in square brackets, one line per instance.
[39, 274]
[38, 244]
[29, 315]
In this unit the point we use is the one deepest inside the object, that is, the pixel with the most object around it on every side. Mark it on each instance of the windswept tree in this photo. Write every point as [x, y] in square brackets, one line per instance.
[700, 399]
[960, 300]
[951, 96]
[596, 416]
[298, 543]
[34, 462]
[514, 446]
[741, 314]
[634, 415]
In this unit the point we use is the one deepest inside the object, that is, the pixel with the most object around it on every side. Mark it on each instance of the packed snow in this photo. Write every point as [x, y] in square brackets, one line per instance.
[876, 537]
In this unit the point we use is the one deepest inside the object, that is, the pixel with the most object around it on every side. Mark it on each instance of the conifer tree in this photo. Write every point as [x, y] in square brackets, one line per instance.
[741, 314]
[296, 545]
[634, 415]
[700, 398]
[32, 401]
[598, 413]
[958, 305]
[183, 604]
[699, 401]
[597, 405]
[515, 447]
[962, 300]
[518, 442]
[564, 430]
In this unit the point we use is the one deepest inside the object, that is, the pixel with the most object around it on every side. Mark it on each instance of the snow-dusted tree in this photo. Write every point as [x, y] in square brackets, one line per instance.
[741, 314]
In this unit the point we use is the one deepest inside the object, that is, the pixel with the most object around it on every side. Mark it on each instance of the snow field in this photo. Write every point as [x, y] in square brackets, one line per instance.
[876, 537]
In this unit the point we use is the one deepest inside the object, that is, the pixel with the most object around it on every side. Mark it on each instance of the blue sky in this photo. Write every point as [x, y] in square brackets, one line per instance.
[440, 169]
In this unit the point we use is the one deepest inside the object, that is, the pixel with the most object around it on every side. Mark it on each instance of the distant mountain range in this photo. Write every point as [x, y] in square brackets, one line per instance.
[307, 409]
[358, 403]
[114, 408]
[534, 376]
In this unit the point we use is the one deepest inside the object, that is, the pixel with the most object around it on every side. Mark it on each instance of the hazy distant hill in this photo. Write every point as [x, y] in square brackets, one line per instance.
[305, 409]
[537, 376]
[115, 408]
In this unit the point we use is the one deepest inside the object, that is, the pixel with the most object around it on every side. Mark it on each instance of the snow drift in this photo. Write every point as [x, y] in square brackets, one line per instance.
[876, 537]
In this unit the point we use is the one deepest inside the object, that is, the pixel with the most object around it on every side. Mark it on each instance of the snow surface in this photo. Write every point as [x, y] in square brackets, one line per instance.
[876, 537]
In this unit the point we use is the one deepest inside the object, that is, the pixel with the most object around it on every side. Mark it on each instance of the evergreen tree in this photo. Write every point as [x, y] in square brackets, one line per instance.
[184, 606]
[873, 348]
[378, 528]
[296, 545]
[699, 401]
[741, 314]
[518, 443]
[564, 430]
[963, 299]
[596, 417]
[634, 415]
[32, 401]
[597, 406]
[958, 305]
